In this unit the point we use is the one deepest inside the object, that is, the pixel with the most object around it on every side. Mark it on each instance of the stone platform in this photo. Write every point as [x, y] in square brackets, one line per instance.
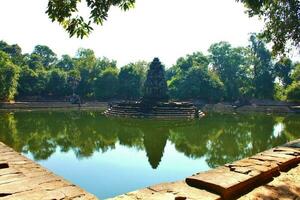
[158, 110]
[21, 178]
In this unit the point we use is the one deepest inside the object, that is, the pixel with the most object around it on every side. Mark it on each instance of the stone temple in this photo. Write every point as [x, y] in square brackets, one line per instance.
[155, 101]
[155, 86]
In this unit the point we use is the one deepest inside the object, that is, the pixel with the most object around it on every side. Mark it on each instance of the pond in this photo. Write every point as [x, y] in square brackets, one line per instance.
[111, 156]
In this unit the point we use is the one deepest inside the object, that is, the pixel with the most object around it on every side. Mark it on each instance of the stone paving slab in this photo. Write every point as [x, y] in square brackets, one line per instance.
[21, 178]
[284, 187]
[233, 180]
[169, 191]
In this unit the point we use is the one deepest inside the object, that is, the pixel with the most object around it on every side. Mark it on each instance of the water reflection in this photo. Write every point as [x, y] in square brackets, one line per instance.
[218, 138]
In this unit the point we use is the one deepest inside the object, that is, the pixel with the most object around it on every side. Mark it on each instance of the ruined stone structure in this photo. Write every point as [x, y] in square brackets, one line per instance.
[154, 103]
[155, 87]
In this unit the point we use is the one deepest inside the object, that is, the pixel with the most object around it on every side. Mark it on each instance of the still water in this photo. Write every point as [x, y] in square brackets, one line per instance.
[110, 156]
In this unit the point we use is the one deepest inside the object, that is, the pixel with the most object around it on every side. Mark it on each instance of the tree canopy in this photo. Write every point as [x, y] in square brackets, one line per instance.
[225, 73]
[282, 21]
[282, 18]
[66, 13]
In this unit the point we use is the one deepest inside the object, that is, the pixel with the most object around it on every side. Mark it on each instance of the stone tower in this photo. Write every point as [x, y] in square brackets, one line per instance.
[155, 87]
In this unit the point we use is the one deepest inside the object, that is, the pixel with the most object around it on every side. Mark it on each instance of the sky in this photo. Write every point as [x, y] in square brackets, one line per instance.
[167, 29]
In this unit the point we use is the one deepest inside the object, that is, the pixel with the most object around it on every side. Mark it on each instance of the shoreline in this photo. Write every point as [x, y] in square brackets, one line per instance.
[52, 105]
[283, 108]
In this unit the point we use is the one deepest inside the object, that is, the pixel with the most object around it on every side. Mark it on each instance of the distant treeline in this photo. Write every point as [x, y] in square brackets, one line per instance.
[226, 74]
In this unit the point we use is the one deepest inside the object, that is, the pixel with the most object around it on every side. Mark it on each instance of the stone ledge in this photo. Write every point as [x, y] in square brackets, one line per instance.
[233, 180]
[169, 191]
[21, 178]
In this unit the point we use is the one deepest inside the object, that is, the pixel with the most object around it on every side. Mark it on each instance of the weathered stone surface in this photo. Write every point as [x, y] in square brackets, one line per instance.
[173, 191]
[181, 190]
[219, 108]
[155, 86]
[221, 180]
[241, 176]
[286, 187]
[21, 178]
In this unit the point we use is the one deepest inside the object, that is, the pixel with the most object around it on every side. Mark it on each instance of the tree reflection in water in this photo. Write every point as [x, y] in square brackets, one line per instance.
[219, 138]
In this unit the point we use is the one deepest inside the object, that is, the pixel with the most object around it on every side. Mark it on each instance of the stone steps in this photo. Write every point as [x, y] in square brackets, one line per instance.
[155, 112]
[159, 110]
[155, 108]
[154, 115]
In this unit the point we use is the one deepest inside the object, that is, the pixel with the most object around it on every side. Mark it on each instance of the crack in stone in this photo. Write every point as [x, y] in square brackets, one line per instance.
[4, 165]
[263, 159]
[5, 194]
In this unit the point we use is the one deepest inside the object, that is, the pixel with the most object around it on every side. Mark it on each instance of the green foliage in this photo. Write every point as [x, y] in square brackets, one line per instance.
[106, 85]
[227, 73]
[131, 80]
[293, 91]
[296, 72]
[45, 54]
[66, 13]
[283, 69]
[14, 52]
[196, 59]
[263, 69]
[231, 66]
[280, 92]
[9, 74]
[27, 82]
[58, 83]
[282, 21]
[85, 64]
[73, 80]
[197, 83]
[66, 63]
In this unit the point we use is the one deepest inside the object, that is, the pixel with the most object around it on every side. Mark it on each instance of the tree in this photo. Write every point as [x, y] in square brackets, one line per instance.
[27, 82]
[34, 61]
[14, 52]
[66, 14]
[66, 63]
[296, 72]
[283, 69]
[47, 56]
[131, 80]
[282, 21]
[195, 59]
[57, 84]
[231, 66]
[73, 80]
[106, 85]
[104, 63]
[262, 69]
[85, 62]
[197, 83]
[9, 74]
[293, 91]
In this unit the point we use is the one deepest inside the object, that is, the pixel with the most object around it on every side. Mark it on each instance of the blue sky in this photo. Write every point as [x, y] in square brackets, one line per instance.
[154, 28]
